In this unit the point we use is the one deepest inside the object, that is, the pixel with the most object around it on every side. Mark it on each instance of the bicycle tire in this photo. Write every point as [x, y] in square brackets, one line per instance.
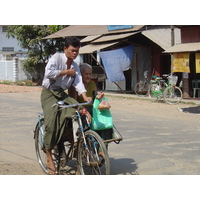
[90, 160]
[40, 149]
[141, 88]
[152, 95]
[172, 95]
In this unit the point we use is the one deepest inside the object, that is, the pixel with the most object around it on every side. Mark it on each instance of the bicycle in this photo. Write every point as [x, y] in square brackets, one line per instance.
[142, 87]
[86, 146]
[165, 88]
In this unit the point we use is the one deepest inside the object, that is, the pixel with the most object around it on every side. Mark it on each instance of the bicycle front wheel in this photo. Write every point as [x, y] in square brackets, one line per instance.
[172, 95]
[39, 147]
[141, 89]
[92, 155]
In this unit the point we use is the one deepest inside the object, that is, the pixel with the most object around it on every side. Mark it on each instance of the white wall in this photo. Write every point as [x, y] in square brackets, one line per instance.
[7, 69]
[113, 86]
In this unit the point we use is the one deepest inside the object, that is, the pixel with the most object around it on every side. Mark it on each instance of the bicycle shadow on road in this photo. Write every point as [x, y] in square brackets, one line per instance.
[69, 169]
[193, 110]
[123, 166]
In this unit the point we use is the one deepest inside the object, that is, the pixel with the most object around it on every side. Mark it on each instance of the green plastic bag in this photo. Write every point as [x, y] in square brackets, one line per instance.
[101, 119]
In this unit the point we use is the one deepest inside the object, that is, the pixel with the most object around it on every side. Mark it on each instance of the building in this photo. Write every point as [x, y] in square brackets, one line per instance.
[11, 56]
[149, 43]
[9, 47]
[187, 58]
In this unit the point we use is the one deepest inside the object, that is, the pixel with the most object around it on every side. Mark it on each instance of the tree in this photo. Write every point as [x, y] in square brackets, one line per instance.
[39, 50]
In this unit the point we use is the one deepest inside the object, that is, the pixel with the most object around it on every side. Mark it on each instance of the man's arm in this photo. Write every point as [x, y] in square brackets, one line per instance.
[69, 72]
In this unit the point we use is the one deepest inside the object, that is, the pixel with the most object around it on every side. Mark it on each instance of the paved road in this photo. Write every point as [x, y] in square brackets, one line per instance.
[158, 138]
[18, 114]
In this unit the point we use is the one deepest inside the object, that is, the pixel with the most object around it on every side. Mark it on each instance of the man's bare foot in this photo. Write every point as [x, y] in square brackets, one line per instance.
[51, 169]
[101, 154]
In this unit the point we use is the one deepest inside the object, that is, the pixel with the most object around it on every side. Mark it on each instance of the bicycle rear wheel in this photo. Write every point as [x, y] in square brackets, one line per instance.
[40, 149]
[172, 95]
[141, 89]
[92, 157]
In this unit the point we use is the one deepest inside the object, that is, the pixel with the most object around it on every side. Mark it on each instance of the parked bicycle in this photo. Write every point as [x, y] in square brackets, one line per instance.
[165, 88]
[86, 146]
[142, 87]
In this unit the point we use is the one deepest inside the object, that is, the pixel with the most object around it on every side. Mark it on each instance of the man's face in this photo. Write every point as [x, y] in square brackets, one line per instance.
[71, 52]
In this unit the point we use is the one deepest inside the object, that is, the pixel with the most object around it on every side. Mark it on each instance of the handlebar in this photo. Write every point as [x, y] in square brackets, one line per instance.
[164, 76]
[61, 104]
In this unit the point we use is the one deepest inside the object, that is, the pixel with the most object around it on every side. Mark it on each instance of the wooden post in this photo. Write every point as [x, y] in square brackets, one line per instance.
[185, 85]
[172, 44]
[98, 62]
[172, 35]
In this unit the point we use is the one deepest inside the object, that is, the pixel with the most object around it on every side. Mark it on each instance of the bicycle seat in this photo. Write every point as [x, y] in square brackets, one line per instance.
[165, 75]
[158, 78]
[153, 81]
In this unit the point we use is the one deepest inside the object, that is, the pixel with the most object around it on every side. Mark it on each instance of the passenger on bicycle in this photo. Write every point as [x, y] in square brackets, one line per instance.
[60, 73]
[86, 71]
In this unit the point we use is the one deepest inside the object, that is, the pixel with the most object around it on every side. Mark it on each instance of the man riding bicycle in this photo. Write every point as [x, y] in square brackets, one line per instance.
[60, 73]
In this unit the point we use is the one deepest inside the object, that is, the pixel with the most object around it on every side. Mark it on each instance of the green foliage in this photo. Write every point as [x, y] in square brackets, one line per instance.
[25, 83]
[30, 38]
[6, 82]
[19, 83]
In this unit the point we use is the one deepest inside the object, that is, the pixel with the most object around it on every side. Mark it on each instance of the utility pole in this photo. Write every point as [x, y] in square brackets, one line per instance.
[172, 44]
[172, 36]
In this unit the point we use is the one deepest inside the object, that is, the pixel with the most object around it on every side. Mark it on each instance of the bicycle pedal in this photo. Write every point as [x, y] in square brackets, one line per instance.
[86, 128]
[63, 160]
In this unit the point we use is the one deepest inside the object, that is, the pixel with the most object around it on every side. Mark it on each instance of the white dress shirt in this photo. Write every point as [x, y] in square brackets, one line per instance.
[55, 65]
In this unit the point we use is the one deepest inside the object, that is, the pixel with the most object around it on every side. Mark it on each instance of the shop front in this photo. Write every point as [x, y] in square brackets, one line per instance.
[186, 63]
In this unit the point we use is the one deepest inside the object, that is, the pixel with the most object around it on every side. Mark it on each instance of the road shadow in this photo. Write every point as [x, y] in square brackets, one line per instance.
[123, 166]
[69, 169]
[159, 101]
[193, 110]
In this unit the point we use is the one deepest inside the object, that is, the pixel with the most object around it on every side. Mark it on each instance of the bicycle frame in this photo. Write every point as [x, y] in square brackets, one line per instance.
[165, 89]
[75, 118]
[161, 89]
[77, 142]
[40, 114]
[141, 88]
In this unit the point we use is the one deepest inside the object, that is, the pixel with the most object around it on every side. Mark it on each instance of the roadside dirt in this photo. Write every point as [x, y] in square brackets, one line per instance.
[13, 88]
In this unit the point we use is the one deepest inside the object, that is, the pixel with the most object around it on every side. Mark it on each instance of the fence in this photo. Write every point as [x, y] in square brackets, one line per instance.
[12, 70]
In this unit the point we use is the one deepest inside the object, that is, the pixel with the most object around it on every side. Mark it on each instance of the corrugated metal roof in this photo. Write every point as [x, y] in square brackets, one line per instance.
[162, 36]
[86, 30]
[184, 47]
[90, 38]
[90, 48]
[113, 37]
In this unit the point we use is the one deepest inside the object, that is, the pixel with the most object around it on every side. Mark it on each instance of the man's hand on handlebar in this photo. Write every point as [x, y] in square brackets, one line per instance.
[87, 99]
